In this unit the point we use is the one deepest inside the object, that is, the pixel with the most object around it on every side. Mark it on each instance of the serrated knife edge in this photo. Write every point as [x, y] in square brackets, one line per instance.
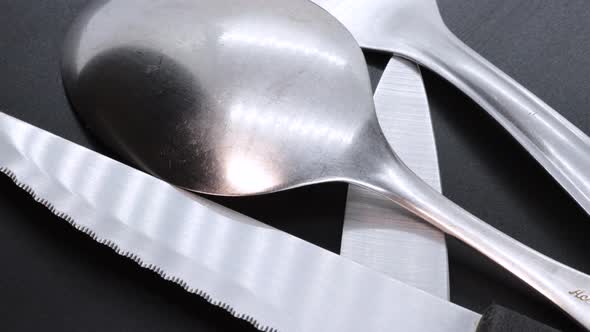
[45, 186]
[137, 258]
[288, 285]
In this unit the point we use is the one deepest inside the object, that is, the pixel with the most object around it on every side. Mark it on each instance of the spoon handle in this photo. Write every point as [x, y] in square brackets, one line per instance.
[567, 288]
[559, 146]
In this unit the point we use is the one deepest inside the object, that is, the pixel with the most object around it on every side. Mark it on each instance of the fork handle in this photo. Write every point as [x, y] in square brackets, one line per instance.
[569, 289]
[559, 146]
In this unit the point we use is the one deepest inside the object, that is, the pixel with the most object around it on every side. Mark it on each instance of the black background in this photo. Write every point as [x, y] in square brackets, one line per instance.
[53, 277]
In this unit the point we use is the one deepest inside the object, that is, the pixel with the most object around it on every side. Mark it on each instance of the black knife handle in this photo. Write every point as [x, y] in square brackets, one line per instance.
[499, 319]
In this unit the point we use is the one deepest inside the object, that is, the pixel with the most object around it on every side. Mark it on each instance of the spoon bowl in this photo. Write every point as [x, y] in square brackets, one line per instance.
[216, 102]
[243, 97]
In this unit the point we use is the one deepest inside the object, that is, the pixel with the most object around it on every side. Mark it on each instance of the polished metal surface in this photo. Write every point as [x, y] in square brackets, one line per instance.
[272, 95]
[386, 237]
[414, 29]
[218, 96]
[272, 279]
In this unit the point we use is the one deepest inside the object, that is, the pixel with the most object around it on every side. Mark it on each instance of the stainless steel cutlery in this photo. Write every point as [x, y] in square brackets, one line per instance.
[257, 273]
[386, 237]
[247, 97]
[293, 106]
[415, 30]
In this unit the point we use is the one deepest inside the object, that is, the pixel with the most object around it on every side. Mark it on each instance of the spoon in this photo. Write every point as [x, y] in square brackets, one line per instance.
[245, 97]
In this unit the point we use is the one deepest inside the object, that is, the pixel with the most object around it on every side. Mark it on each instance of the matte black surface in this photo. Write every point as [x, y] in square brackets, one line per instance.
[499, 319]
[55, 278]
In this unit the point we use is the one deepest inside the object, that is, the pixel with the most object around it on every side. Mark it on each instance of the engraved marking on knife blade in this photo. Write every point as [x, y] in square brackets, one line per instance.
[581, 295]
[136, 258]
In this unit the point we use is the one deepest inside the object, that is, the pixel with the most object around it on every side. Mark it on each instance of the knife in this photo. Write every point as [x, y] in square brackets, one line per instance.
[383, 237]
[273, 280]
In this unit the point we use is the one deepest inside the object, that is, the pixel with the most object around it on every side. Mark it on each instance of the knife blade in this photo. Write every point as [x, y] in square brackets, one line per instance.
[257, 273]
[387, 238]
